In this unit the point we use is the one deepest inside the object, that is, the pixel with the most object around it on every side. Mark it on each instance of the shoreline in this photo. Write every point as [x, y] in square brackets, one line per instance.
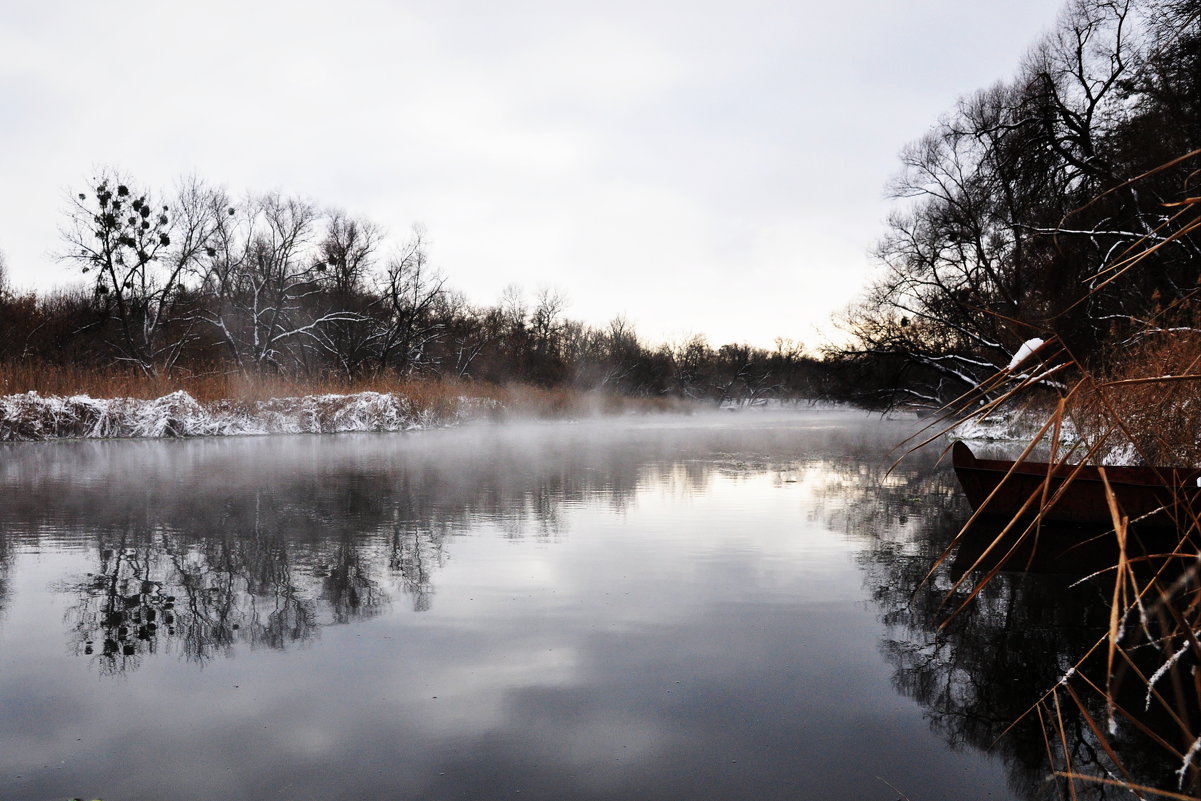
[31, 417]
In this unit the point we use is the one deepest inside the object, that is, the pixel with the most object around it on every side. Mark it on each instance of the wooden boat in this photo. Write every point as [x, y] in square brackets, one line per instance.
[1152, 496]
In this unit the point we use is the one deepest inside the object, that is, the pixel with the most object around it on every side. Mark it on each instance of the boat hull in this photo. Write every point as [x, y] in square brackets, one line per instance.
[1154, 496]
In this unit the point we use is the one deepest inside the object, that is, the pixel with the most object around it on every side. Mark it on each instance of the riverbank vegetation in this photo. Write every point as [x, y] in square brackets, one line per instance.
[49, 380]
[1123, 714]
[194, 289]
[1046, 258]
[1019, 212]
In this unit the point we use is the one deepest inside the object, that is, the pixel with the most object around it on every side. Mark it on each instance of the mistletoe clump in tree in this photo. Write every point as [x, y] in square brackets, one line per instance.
[139, 253]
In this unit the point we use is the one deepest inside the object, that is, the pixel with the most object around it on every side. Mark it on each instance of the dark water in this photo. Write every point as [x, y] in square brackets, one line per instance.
[702, 608]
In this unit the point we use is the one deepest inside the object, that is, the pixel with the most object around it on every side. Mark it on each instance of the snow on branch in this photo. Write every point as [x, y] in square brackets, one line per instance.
[1025, 352]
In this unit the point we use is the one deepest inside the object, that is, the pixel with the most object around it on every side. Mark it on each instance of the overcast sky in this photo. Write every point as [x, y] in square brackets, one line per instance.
[714, 168]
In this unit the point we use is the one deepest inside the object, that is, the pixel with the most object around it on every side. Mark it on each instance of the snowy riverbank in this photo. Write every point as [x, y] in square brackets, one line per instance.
[1005, 435]
[31, 416]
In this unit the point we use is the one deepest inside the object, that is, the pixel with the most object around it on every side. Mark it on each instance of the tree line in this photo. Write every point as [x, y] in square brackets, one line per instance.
[1018, 213]
[1016, 217]
[194, 281]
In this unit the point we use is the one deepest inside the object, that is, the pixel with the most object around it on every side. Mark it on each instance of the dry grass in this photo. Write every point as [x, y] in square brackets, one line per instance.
[1150, 396]
[514, 399]
[1140, 682]
[116, 382]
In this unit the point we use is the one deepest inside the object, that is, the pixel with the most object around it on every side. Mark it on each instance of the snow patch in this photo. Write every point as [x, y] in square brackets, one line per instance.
[1017, 428]
[1024, 352]
[1009, 425]
[32, 417]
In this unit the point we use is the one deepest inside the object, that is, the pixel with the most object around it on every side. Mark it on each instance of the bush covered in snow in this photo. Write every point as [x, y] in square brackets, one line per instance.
[30, 416]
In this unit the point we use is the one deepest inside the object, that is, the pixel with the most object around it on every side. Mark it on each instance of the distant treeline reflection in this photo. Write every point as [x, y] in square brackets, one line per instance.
[197, 547]
[269, 567]
[203, 594]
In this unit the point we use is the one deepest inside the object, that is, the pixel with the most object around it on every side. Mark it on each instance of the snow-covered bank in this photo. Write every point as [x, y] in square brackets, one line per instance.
[33, 417]
[1006, 435]
[1006, 427]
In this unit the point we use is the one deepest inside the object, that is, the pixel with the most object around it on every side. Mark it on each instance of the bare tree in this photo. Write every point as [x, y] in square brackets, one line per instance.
[622, 353]
[261, 284]
[140, 252]
[546, 321]
[348, 253]
[346, 261]
[410, 291]
[467, 332]
[1017, 200]
[690, 360]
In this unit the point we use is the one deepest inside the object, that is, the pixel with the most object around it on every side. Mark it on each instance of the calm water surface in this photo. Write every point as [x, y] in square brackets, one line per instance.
[706, 608]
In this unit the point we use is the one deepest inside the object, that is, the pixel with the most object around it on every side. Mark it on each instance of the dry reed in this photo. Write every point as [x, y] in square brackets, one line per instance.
[513, 399]
[1142, 677]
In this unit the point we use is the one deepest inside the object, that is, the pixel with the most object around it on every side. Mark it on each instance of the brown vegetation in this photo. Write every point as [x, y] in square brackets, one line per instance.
[1137, 689]
[513, 399]
[1062, 205]
[1148, 397]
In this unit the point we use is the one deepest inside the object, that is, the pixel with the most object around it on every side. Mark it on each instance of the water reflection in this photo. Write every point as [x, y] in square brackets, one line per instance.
[197, 547]
[6, 553]
[979, 677]
[717, 647]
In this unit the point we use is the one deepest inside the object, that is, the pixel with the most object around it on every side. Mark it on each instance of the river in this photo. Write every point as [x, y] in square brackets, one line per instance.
[708, 607]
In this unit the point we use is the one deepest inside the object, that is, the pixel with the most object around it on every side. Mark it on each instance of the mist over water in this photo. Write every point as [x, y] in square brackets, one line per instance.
[709, 607]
